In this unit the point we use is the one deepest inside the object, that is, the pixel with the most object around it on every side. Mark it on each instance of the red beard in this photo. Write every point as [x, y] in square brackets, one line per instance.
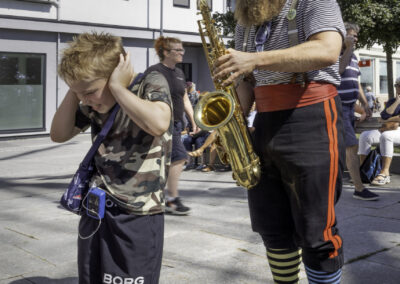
[256, 12]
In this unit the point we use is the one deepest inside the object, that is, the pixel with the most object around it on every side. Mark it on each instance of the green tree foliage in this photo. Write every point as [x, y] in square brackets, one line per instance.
[226, 23]
[380, 23]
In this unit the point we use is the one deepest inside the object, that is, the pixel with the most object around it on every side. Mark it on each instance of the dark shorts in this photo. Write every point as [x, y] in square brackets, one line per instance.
[178, 149]
[350, 138]
[125, 249]
[302, 154]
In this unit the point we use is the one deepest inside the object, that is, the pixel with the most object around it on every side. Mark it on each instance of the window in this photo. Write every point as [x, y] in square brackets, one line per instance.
[383, 79]
[182, 3]
[21, 91]
[209, 2]
[367, 72]
[187, 69]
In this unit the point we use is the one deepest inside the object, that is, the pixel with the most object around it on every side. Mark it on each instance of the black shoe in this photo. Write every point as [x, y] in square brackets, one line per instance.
[176, 207]
[365, 195]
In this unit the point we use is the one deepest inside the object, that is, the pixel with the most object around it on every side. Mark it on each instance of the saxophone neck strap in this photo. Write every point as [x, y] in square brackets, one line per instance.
[246, 37]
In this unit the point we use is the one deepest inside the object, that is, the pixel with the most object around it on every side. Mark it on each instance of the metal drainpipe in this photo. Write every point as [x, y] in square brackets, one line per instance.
[161, 18]
[148, 27]
[148, 14]
[57, 51]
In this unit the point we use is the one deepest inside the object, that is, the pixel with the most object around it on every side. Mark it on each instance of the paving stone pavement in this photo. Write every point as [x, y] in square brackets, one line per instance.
[214, 244]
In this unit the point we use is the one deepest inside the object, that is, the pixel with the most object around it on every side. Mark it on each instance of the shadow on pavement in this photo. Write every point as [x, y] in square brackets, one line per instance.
[10, 185]
[45, 280]
[35, 151]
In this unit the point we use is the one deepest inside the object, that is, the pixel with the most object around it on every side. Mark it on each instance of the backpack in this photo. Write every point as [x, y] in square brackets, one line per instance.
[371, 166]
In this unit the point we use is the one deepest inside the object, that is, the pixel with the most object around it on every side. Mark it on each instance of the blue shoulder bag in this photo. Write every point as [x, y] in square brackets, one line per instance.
[79, 185]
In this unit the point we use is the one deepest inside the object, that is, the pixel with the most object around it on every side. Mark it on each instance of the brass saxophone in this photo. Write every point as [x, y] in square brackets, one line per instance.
[221, 111]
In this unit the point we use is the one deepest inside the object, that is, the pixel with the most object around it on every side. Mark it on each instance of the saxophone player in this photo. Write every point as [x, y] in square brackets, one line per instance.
[292, 52]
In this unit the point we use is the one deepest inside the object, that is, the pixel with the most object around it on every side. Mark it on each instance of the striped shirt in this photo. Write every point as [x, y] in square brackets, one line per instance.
[348, 89]
[312, 17]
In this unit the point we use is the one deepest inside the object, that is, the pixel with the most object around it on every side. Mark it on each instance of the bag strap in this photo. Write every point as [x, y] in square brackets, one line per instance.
[106, 128]
[100, 137]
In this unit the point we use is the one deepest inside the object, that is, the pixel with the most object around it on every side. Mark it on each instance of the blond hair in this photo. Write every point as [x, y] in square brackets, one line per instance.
[90, 56]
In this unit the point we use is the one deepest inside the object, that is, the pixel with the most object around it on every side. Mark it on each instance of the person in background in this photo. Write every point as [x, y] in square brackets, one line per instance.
[189, 138]
[195, 141]
[209, 142]
[298, 129]
[386, 136]
[192, 93]
[170, 52]
[193, 96]
[350, 91]
[369, 95]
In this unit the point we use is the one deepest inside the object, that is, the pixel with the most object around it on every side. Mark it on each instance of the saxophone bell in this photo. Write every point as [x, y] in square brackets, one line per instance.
[214, 110]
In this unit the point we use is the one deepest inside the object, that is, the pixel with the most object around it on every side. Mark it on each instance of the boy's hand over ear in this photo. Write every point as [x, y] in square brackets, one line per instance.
[123, 73]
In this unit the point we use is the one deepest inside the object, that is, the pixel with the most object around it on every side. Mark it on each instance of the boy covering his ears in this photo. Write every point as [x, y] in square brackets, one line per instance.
[131, 164]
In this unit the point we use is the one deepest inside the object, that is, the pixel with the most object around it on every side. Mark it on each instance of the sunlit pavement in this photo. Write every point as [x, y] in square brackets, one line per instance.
[214, 244]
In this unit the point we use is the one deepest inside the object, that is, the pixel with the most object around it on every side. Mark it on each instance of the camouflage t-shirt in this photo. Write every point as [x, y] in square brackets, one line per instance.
[132, 165]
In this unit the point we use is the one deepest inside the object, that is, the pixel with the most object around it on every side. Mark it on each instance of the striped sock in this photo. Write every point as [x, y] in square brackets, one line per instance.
[284, 264]
[321, 277]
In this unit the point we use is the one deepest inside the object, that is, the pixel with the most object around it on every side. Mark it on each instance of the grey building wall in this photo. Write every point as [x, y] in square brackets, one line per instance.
[27, 27]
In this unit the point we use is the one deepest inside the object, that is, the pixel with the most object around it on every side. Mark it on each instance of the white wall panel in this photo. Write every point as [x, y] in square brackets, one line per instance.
[110, 12]
[155, 14]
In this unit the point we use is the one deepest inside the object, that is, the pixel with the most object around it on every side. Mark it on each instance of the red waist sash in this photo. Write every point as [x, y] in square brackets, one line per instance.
[289, 96]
